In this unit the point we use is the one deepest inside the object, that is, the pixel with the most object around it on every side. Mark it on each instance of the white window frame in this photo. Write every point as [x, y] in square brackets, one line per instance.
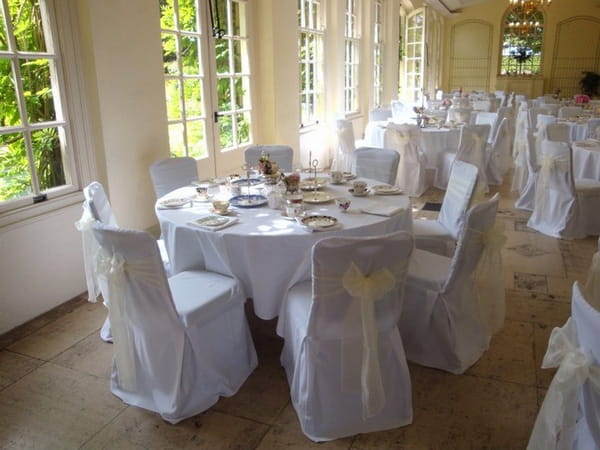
[71, 113]
[378, 49]
[311, 27]
[414, 53]
[351, 56]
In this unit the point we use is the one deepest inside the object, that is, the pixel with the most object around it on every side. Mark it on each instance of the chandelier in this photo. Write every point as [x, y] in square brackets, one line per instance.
[530, 5]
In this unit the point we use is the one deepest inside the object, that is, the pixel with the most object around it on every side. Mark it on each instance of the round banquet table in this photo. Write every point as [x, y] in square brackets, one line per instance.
[264, 250]
[586, 159]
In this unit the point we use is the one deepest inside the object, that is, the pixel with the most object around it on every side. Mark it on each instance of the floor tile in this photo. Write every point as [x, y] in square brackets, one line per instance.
[535, 307]
[91, 355]
[530, 282]
[14, 366]
[54, 407]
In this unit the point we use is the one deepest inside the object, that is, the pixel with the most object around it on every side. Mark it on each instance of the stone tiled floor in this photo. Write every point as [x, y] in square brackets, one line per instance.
[54, 390]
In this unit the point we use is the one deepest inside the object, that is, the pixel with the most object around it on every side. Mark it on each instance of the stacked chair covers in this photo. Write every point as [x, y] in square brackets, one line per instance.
[411, 167]
[179, 343]
[343, 355]
[379, 164]
[440, 235]
[283, 155]
[172, 173]
[453, 306]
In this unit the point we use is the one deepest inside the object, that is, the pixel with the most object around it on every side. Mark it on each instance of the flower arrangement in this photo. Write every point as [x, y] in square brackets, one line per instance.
[446, 103]
[419, 109]
[264, 164]
[582, 98]
[292, 181]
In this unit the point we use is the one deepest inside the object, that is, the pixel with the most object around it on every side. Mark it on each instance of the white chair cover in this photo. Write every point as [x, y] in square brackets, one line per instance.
[481, 105]
[379, 164]
[179, 343]
[439, 236]
[380, 114]
[283, 155]
[460, 115]
[172, 173]
[558, 132]
[569, 415]
[592, 284]
[570, 111]
[453, 306]
[520, 143]
[411, 167]
[343, 355]
[526, 198]
[346, 146]
[489, 118]
[499, 159]
[400, 112]
[593, 128]
[555, 211]
[533, 115]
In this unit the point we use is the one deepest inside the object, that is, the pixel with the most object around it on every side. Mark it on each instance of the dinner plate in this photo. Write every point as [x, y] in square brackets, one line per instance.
[318, 221]
[246, 181]
[386, 189]
[364, 194]
[212, 221]
[175, 202]
[248, 201]
[317, 197]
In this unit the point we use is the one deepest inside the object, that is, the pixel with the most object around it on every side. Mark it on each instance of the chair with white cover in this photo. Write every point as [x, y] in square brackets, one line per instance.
[440, 235]
[411, 167]
[570, 111]
[533, 115]
[526, 198]
[481, 105]
[380, 114]
[343, 355]
[379, 164]
[490, 118]
[283, 155]
[593, 128]
[400, 112]
[558, 131]
[172, 173]
[569, 415]
[453, 306]
[345, 145]
[564, 208]
[471, 148]
[499, 157]
[459, 115]
[179, 343]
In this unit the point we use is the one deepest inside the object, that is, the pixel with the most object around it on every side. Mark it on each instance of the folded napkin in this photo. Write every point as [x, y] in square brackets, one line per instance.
[174, 203]
[213, 222]
[381, 210]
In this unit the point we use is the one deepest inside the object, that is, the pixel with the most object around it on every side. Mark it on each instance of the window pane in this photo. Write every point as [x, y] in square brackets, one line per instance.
[169, 45]
[15, 180]
[237, 56]
[222, 55]
[48, 158]
[243, 126]
[9, 109]
[189, 55]
[176, 144]
[167, 14]
[37, 90]
[27, 25]
[192, 94]
[224, 94]
[3, 38]
[225, 132]
[196, 142]
[187, 15]
[173, 98]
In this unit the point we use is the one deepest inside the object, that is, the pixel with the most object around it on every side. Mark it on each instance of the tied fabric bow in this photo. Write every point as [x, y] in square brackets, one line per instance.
[549, 164]
[113, 268]
[556, 422]
[90, 249]
[369, 289]
[489, 280]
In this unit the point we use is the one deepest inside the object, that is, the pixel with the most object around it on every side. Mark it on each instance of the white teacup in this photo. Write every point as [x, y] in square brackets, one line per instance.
[359, 187]
[293, 209]
[220, 206]
[337, 176]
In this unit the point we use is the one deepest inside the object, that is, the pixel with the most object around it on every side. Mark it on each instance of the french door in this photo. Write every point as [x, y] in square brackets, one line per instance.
[207, 82]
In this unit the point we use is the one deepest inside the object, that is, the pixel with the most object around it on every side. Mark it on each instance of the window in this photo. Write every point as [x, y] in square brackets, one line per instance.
[415, 27]
[522, 40]
[36, 162]
[351, 58]
[189, 80]
[378, 53]
[311, 30]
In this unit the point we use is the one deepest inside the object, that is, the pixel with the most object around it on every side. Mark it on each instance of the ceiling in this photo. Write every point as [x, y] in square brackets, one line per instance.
[448, 7]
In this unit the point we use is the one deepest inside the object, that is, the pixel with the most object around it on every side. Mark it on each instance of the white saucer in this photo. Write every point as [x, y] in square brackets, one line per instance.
[214, 211]
[364, 194]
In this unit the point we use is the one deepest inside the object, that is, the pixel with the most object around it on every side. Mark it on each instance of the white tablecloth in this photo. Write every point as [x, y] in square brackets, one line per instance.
[265, 251]
[586, 159]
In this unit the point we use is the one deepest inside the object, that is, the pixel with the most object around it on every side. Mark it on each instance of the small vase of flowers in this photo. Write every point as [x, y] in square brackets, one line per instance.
[292, 182]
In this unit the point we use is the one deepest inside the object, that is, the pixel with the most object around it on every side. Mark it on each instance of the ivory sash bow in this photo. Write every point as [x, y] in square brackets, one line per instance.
[555, 425]
[549, 164]
[90, 249]
[114, 268]
[368, 289]
[489, 281]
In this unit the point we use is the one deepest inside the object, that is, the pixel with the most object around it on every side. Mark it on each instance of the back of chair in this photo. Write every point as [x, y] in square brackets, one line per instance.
[172, 173]
[380, 114]
[342, 268]
[558, 132]
[379, 164]
[501, 148]
[283, 155]
[98, 203]
[463, 178]
[400, 112]
[479, 219]
[533, 115]
[144, 322]
[460, 115]
[345, 136]
[489, 118]
[482, 105]
[472, 148]
[570, 111]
